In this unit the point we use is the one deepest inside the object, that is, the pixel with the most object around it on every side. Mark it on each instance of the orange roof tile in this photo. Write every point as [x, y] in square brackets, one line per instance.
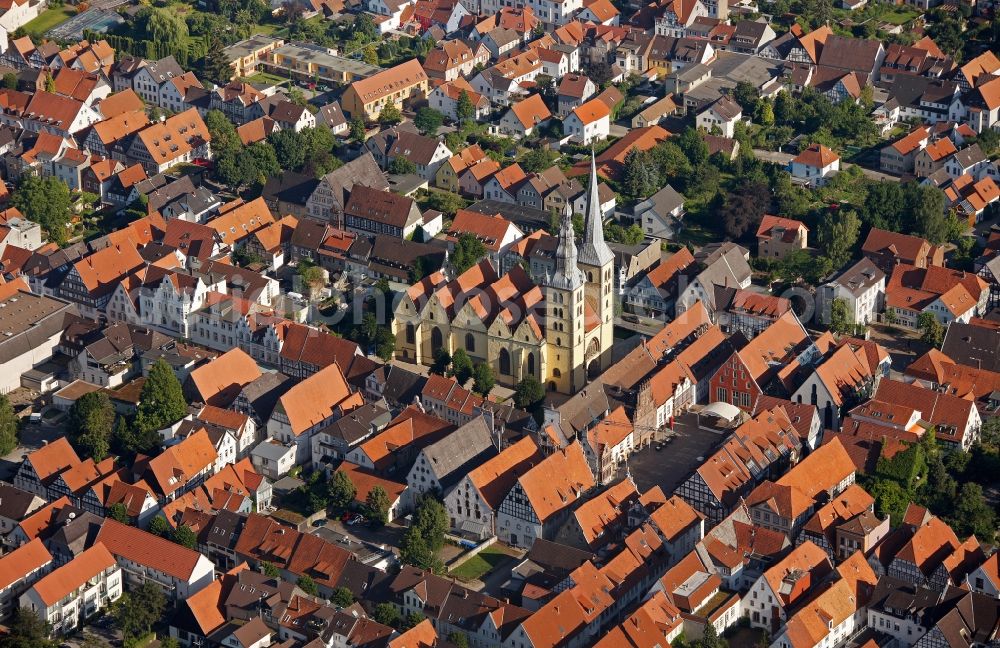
[67, 579]
[315, 399]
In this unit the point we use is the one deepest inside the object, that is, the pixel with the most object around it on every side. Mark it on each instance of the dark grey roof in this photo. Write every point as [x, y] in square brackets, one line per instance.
[361, 171]
[457, 454]
[289, 187]
[263, 393]
[402, 386]
[17, 504]
[970, 155]
[860, 277]
[526, 218]
[973, 346]
[359, 424]
[164, 69]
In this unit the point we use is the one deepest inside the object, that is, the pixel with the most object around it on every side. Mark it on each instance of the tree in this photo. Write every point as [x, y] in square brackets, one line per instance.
[931, 330]
[441, 361]
[387, 614]
[8, 426]
[216, 66]
[538, 159]
[10, 81]
[460, 639]
[840, 317]
[973, 514]
[185, 537]
[289, 148]
[401, 165]
[27, 630]
[161, 402]
[342, 597]
[270, 570]
[45, 201]
[358, 130]
[641, 179]
[711, 638]
[377, 504]
[692, 142]
[308, 585]
[528, 392]
[91, 423]
[390, 115]
[137, 611]
[461, 366]
[746, 95]
[428, 121]
[929, 219]
[468, 252]
[160, 527]
[119, 513]
[167, 29]
[342, 491]
[483, 378]
[890, 499]
[445, 202]
[837, 234]
[425, 537]
[464, 110]
[744, 208]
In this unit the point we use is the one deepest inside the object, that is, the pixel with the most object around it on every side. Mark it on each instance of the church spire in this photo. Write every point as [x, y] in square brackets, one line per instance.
[595, 252]
[567, 273]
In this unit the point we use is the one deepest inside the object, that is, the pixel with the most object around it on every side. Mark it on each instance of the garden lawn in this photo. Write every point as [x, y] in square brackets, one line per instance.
[49, 19]
[481, 564]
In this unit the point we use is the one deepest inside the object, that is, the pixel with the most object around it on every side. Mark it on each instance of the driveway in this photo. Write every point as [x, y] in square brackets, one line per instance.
[670, 466]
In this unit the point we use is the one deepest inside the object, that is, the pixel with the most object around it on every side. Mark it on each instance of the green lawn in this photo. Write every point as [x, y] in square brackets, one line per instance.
[49, 19]
[481, 564]
[266, 78]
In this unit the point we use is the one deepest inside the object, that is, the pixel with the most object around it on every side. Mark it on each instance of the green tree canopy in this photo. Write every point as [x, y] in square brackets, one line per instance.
[464, 110]
[27, 630]
[401, 165]
[161, 401]
[461, 366]
[390, 115]
[428, 121]
[377, 504]
[46, 201]
[838, 233]
[308, 585]
[468, 252]
[425, 537]
[8, 426]
[483, 378]
[529, 392]
[184, 536]
[342, 491]
[90, 424]
[119, 513]
[931, 330]
[137, 611]
[342, 597]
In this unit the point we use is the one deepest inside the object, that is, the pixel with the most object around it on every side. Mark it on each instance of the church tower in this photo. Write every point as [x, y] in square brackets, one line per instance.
[597, 262]
[564, 326]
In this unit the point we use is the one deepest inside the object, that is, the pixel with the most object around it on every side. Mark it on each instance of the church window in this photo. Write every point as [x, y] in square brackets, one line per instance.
[559, 341]
[470, 342]
[590, 276]
[531, 364]
[504, 362]
[556, 373]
